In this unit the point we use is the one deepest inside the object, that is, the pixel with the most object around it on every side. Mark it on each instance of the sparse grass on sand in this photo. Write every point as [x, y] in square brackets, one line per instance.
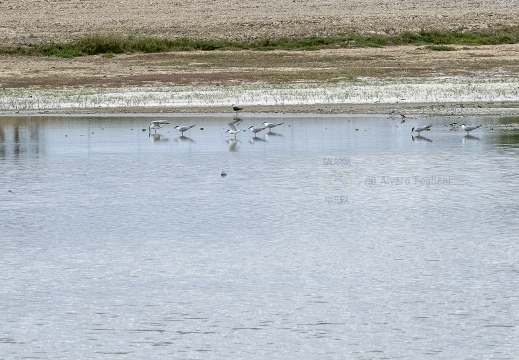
[126, 74]
[119, 44]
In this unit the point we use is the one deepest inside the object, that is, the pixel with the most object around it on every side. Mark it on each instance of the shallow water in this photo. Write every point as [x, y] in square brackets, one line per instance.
[336, 237]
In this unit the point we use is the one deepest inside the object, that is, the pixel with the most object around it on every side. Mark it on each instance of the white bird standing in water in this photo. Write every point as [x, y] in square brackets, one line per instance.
[157, 124]
[421, 128]
[453, 126]
[271, 125]
[182, 129]
[256, 130]
[469, 128]
[233, 130]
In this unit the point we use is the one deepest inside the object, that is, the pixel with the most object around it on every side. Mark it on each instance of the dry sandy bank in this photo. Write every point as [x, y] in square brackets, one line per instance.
[32, 85]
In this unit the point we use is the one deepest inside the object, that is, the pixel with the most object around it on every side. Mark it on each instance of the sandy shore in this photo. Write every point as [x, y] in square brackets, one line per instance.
[417, 109]
[409, 79]
[451, 97]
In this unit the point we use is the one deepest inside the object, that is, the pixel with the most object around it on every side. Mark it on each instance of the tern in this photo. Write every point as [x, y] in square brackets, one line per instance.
[469, 128]
[157, 124]
[236, 108]
[182, 129]
[453, 126]
[421, 128]
[256, 130]
[271, 125]
[233, 130]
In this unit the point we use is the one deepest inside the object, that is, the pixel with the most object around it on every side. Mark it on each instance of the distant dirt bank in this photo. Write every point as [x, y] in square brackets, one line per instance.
[29, 22]
[39, 21]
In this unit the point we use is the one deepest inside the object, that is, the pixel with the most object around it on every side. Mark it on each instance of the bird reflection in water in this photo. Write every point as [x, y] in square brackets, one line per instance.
[420, 138]
[233, 144]
[257, 139]
[273, 134]
[469, 137]
[184, 139]
[158, 138]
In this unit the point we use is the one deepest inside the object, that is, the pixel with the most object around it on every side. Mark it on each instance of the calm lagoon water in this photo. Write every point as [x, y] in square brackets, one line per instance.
[336, 237]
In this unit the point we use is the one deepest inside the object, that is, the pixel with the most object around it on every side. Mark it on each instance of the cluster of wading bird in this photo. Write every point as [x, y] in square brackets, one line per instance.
[157, 124]
[453, 126]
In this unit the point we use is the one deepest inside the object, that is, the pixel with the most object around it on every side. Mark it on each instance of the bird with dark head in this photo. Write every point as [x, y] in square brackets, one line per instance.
[236, 108]
[156, 124]
[469, 128]
[256, 130]
[419, 129]
[272, 125]
[183, 129]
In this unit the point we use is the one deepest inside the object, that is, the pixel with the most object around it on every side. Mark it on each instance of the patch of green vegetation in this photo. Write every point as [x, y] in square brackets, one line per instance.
[372, 41]
[507, 35]
[118, 44]
[19, 50]
[440, 48]
[108, 55]
[311, 43]
[61, 51]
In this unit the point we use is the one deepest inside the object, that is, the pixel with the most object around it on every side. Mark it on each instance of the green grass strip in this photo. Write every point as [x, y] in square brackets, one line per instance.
[117, 44]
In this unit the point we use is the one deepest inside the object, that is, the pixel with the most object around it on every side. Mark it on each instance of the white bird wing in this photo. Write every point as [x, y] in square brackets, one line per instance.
[469, 128]
[160, 122]
[422, 128]
[184, 127]
[232, 125]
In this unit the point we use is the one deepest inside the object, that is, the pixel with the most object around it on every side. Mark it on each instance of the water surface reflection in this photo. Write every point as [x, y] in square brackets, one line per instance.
[334, 237]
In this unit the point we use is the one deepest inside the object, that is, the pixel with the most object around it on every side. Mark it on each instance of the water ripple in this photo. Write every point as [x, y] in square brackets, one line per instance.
[325, 242]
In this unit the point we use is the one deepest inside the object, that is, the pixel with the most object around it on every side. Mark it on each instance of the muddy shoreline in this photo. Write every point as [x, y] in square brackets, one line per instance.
[498, 109]
[28, 22]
